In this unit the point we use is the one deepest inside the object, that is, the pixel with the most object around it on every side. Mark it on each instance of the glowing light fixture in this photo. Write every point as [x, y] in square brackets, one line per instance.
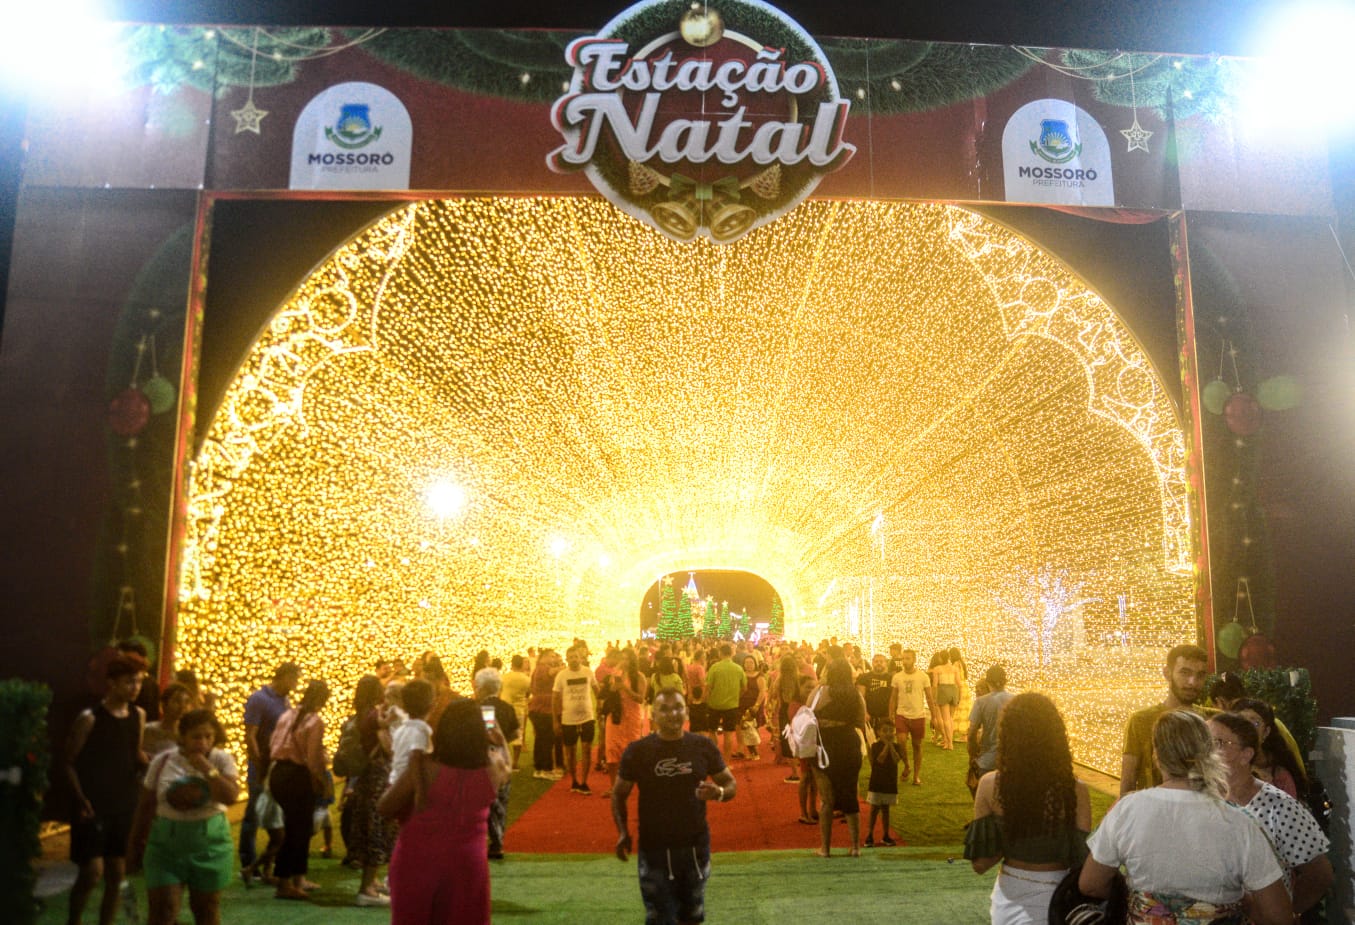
[446, 499]
[1300, 83]
[63, 50]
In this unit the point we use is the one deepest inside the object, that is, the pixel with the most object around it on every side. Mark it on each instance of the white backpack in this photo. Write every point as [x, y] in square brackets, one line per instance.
[802, 732]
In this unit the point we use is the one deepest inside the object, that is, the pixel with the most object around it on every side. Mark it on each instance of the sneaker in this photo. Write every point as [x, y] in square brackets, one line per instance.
[543, 775]
[557, 774]
[584, 789]
[870, 841]
[888, 842]
[496, 855]
[372, 900]
[793, 779]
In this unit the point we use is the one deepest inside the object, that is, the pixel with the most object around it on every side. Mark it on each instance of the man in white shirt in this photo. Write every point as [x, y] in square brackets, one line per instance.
[908, 705]
[574, 702]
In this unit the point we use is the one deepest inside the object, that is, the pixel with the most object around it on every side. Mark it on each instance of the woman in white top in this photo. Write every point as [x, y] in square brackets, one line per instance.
[1189, 856]
[180, 833]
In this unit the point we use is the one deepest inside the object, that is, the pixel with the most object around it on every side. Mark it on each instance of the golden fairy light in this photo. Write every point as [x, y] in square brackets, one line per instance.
[494, 423]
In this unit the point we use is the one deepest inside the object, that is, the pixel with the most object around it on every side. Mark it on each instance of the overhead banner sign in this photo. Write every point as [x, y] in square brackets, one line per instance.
[1054, 152]
[352, 136]
[701, 119]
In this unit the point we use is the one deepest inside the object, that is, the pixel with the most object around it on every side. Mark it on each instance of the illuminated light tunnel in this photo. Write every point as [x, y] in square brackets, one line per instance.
[493, 423]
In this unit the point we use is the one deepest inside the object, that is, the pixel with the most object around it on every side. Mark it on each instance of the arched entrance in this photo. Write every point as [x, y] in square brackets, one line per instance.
[913, 422]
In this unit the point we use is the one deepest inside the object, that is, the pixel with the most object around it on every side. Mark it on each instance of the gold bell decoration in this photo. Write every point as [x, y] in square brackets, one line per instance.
[730, 220]
[678, 218]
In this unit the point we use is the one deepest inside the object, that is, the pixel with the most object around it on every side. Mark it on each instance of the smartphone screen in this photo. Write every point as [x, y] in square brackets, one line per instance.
[487, 711]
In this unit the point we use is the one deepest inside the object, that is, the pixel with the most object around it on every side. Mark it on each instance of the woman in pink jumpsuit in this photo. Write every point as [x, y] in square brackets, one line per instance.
[439, 872]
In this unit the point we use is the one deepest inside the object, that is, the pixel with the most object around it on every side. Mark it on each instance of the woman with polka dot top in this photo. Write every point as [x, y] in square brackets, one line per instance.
[1298, 840]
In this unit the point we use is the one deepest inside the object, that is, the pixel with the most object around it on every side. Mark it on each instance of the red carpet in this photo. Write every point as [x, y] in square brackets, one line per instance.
[763, 815]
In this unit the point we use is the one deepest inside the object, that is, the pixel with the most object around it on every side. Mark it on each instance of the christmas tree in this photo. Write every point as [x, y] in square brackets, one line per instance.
[668, 614]
[683, 621]
[746, 625]
[710, 627]
[725, 631]
[777, 625]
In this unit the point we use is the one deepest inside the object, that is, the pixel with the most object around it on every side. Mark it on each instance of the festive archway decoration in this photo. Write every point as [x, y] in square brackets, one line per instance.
[898, 414]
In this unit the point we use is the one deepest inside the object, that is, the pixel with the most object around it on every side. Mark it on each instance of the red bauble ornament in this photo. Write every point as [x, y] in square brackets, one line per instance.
[1242, 413]
[1257, 652]
[128, 412]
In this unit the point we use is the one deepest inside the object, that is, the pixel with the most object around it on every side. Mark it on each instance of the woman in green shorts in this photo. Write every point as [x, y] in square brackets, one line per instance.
[180, 834]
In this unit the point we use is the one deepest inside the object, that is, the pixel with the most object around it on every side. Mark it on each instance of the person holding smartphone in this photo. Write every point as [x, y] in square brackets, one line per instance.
[439, 871]
[498, 717]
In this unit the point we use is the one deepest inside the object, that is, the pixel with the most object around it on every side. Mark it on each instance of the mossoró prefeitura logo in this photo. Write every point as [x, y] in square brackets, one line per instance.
[701, 119]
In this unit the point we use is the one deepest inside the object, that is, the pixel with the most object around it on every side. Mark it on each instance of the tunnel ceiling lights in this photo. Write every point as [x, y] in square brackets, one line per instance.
[897, 414]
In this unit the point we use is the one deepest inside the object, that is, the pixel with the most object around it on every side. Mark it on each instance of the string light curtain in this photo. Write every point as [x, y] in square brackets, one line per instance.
[910, 420]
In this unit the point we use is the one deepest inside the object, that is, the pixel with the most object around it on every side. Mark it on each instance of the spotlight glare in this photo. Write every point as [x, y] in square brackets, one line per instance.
[445, 499]
[1300, 83]
[63, 51]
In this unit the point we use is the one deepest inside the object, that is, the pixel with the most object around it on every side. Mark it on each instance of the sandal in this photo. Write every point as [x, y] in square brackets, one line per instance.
[805, 820]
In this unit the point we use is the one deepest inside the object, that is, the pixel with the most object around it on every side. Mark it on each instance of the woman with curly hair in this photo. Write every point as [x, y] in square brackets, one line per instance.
[1030, 813]
[1274, 762]
[1188, 856]
[840, 711]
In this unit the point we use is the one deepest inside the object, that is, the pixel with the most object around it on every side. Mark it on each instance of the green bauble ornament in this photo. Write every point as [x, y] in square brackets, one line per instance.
[1213, 397]
[148, 643]
[160, 392]
[1279, 393]
[1230, 638]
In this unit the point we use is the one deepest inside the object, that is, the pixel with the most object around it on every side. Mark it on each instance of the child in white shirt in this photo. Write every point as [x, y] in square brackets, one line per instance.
[413, 734]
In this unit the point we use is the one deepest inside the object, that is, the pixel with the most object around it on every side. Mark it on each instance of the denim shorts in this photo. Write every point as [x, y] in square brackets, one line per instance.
[673, 885]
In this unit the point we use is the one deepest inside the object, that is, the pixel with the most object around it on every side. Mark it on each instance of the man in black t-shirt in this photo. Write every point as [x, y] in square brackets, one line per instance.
[874, 685]
[672, 768]
[895, 658]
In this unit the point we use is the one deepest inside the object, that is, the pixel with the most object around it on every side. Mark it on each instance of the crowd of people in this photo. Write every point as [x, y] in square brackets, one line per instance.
[1210, 823]
[1199, 834]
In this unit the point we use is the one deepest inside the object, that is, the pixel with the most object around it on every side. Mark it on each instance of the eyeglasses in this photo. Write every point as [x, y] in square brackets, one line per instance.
[1224, 743]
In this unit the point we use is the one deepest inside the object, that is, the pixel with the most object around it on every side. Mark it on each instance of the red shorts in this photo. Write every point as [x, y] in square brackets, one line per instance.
[915, 729]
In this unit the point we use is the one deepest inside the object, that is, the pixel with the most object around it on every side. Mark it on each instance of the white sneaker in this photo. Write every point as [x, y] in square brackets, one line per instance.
[557, 774]
[367, 899]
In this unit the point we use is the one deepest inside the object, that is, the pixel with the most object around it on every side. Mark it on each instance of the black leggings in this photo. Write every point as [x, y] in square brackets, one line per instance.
[293, 789]
[543, 725]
